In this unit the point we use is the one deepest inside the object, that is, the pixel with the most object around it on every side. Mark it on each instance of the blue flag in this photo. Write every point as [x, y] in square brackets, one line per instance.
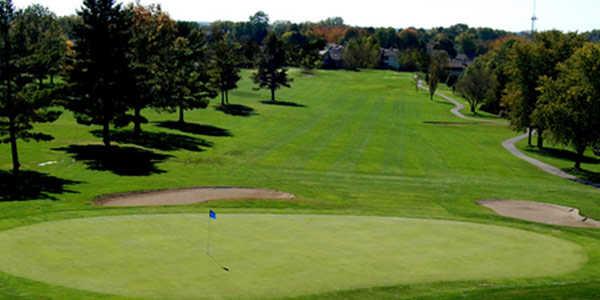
[212, 214]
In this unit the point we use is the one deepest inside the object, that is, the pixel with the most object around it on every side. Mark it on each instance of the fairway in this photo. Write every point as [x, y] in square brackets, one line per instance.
[356, 145]
[164, 256]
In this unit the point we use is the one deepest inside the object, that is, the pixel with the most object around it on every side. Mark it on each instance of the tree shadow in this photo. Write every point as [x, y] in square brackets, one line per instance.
[237, 110]
[282, 103]
[123, 161]
[158, 140]
[562, 154]
[590, 176]
[30, 185]
[193, 128]
[447, 123]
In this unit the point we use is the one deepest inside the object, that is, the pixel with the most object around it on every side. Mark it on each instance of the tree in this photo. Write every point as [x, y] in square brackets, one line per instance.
[521, 92]
[44, 39]
[272, 73]
[99, 81]
[361, 53]
[443, 42]
[476, 84]
[189, 81]
[570, 104]
[152, 34]
[528, 63]
[467, 43]
[226, 55]
[437, 70]
[23, 101]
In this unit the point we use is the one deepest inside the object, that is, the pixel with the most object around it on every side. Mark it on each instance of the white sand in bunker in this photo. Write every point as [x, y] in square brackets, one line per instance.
[190, 196]
[540, 212]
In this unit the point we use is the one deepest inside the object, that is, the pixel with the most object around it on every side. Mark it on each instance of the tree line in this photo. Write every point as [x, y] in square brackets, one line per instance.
[548, 84]
[114, 62]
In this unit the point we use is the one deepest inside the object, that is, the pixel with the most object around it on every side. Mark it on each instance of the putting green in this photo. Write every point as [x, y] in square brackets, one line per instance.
[164, 256]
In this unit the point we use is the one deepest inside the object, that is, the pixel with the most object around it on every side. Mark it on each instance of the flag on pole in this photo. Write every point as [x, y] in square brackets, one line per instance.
[212, 214]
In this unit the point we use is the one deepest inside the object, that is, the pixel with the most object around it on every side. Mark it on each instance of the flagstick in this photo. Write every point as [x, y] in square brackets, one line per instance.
[208, 237]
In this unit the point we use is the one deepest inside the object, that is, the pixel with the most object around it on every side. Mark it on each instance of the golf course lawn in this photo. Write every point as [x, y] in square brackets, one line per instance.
[164, 256]
[396, 174]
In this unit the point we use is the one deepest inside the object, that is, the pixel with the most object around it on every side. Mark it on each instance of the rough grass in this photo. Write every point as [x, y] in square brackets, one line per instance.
[357, 143]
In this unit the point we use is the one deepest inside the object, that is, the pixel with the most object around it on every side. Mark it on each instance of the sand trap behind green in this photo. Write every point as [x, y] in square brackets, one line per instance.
[164, 256]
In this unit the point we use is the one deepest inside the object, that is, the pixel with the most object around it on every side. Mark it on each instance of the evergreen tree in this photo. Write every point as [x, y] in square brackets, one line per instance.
[271, 72]
[99, 81]
[22, 100]
[189, 84]
[226, 55]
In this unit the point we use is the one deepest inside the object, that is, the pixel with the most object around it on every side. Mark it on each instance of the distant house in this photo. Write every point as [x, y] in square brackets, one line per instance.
[333, 56]
[390, 59]
[458, 64]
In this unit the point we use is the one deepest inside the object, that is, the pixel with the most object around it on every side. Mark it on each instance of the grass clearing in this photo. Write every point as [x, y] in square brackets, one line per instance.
[362, 143]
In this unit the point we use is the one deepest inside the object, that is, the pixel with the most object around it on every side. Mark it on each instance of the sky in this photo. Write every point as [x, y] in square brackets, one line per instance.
[512, 15]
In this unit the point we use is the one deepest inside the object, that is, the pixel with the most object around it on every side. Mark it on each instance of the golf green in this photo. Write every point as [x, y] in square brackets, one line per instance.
[164, 256]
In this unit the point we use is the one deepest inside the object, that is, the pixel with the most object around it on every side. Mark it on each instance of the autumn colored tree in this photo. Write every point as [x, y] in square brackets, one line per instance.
[152, 34]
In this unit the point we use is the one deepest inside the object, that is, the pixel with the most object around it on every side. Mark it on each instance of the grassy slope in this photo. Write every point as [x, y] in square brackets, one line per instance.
[360, 146]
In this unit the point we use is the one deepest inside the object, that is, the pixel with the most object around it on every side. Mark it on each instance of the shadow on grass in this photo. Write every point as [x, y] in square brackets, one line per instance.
[237, 110]
[446, 123]
[123, 161]
[282, 103]
[562, 154]
[158, 140]
[193, 128]
[590, 176]
[30, 185]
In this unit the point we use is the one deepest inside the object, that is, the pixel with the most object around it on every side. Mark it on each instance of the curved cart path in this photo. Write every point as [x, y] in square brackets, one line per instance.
[510, 146]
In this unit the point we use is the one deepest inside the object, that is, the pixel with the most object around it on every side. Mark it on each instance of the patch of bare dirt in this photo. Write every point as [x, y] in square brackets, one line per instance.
[540, 212]
[190, 196]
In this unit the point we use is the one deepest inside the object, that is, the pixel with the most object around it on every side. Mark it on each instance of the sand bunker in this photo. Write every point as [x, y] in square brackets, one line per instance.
[190, 196]
[540, 212]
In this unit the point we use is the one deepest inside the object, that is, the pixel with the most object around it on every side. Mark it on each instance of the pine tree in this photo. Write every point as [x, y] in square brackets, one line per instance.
[188, 83]
[99, 81]
[272, 73]
[226, 55]
[22, 101]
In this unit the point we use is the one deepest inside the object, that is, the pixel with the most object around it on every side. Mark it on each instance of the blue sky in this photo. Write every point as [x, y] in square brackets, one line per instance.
[514, 15]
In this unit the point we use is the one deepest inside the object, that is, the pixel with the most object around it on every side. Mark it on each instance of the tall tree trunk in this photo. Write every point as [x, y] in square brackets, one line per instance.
[106, 133]
[227, 97]
[578, 159]
[540, 138]
[473, 108]
[529, 131]
[13, 146]
[222, 97]
[272, 94]
[181, 117]
[137, 120]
